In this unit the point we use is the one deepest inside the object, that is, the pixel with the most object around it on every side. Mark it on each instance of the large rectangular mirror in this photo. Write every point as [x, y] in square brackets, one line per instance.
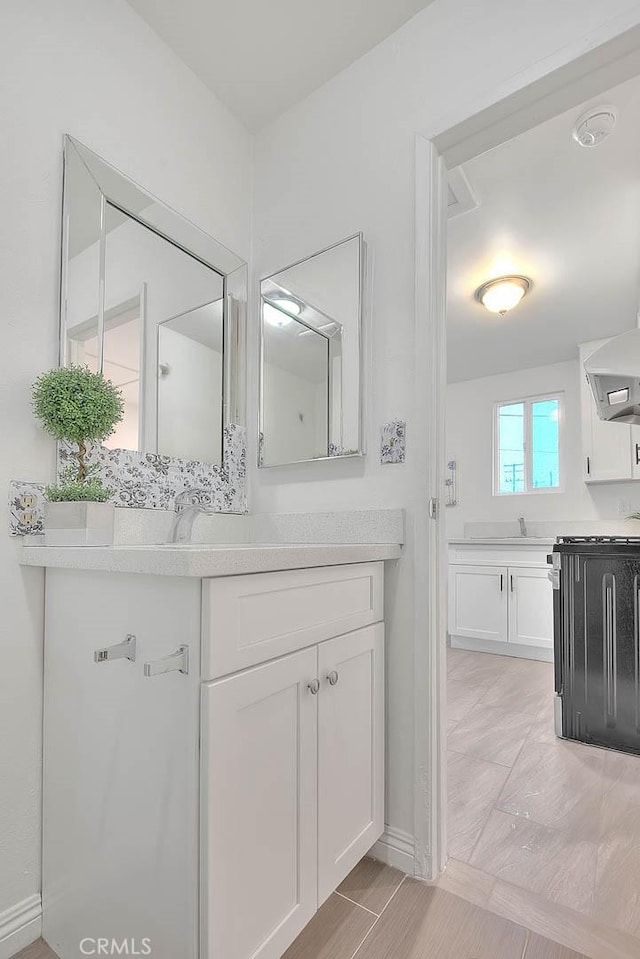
[156, 305]
[311, 319]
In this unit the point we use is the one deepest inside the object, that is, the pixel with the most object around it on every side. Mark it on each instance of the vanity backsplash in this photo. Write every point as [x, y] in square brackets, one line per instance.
[146, 481]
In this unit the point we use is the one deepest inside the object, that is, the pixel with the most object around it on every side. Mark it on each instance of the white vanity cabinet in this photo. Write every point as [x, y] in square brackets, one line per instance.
[501, 599]
[610, 451]
[300, 802]
[211, 808]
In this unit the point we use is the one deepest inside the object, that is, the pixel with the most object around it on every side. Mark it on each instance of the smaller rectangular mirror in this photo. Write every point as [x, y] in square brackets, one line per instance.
[311, 341]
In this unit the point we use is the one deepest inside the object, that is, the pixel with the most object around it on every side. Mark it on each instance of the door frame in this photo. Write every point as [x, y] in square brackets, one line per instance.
[584, 69]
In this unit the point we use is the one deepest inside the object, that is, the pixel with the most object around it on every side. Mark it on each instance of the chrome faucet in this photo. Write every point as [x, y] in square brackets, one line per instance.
[187, 507]
[523, 526]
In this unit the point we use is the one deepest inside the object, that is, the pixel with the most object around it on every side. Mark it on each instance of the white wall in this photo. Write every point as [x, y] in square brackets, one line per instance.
[470, 410]
[343, 161]
[91, 68]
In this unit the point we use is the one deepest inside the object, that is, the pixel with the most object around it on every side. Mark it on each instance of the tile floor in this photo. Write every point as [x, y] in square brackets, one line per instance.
[556, 818]
[378, 913]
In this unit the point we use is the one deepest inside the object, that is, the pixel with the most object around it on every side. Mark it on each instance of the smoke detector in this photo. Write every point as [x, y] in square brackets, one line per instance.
[594, 126]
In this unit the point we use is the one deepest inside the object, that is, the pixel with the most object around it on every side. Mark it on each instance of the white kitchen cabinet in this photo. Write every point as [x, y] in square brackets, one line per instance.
[501, 599]
[635, 452]
[259, 808]
[350, 752]
[530, 607]
[610, 451]
[208, 814]
[478, 602]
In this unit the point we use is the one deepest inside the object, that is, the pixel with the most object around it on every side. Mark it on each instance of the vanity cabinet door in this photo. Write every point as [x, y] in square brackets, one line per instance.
[259, 808]
[350, 752]
[478, 602]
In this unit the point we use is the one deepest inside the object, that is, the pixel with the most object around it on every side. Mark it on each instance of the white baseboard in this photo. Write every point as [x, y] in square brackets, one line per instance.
[20, 925]
[540, 653]
[396, 848]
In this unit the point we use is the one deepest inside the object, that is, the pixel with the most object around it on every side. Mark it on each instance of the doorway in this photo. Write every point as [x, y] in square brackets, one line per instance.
[454, 148]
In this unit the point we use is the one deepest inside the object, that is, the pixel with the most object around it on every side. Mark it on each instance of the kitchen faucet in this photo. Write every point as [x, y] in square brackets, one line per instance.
[187, 506]
[523, 526]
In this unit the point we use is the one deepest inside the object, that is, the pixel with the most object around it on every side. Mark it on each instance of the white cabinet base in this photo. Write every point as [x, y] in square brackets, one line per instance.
[197, 815]
[544, 655]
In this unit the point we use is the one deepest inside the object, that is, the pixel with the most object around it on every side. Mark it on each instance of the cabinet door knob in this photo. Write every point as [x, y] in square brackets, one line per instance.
[333, 677]
[314, 687]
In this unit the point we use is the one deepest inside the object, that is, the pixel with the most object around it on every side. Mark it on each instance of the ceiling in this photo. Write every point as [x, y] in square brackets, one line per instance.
[261, 57]
[566, 216]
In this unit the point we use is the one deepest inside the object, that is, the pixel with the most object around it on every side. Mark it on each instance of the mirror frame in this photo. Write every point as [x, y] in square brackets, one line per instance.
[114, 188]
[361, 450]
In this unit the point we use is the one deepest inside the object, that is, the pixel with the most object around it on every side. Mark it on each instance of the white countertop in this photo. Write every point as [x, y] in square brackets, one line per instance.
[542, 541]
[205, 560]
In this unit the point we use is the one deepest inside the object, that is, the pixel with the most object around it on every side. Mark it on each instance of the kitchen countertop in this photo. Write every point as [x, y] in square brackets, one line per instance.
[206, 559]
[504, 541]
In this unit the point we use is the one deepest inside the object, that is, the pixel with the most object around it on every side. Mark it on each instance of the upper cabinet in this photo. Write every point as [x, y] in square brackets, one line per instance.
[156, 305]
[311, 344]
[610, 451]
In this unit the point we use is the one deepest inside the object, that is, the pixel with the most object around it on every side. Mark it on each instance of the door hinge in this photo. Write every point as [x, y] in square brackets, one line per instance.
[433, 508]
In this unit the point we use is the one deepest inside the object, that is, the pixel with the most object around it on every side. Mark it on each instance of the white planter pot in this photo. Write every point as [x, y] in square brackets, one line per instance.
[78, 524]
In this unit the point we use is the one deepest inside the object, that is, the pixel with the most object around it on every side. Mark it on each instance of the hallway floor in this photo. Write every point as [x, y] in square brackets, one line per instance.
[556, 818]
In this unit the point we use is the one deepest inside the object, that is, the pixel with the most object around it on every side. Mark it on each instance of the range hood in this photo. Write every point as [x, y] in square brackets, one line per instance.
[613, 371]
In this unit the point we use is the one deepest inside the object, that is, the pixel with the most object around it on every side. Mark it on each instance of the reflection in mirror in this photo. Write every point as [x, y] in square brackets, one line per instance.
[296, 408]
[190, 383]
[311, 339]
[121, 363]
[149, 312]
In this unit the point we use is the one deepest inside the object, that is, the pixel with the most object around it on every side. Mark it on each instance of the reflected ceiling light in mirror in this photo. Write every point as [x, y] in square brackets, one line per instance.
[281, 310]
[275, 317]
[285, 303]
[503, 293]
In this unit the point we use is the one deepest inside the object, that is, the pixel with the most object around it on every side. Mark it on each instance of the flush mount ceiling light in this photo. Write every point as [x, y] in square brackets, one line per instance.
[503, 293]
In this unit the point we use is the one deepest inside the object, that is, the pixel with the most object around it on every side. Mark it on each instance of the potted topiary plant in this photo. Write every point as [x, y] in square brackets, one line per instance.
[78, 407]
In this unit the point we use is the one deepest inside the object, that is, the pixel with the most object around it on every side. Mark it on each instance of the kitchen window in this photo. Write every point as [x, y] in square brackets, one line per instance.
[527, 436]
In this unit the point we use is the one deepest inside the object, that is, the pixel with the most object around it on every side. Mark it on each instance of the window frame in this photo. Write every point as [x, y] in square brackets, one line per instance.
[528, 401]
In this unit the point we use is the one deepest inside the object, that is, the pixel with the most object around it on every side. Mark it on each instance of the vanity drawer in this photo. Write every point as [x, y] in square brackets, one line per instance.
[250, 619]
